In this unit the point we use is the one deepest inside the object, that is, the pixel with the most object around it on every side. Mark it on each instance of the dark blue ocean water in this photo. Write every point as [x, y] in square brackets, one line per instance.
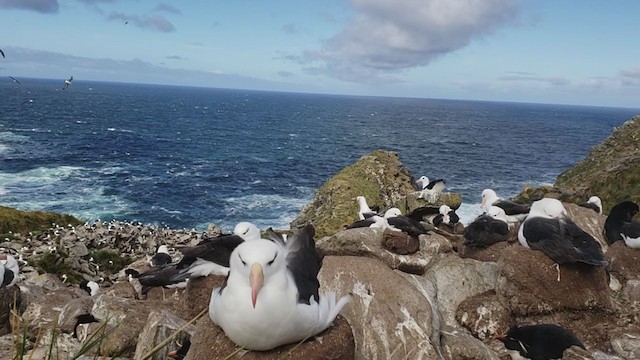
[187, 157]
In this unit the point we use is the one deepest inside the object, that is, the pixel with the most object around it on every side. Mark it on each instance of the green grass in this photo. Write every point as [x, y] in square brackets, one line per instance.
[14, 221]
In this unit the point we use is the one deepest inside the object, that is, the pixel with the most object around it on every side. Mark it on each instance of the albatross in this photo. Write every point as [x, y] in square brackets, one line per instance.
[594, 203]
[540, 341]
[67, 83]
[487, 229]
[515, 212]
[547, 228]
[620, 218]
[271, 296]
[9, 271]
[430, 190]
[365, 211]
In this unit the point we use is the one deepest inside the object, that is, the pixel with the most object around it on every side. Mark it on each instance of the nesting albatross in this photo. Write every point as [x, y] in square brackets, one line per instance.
[548, 229]
[271, 296]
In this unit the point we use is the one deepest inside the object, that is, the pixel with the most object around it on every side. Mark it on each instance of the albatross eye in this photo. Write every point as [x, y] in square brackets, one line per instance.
[274, 259]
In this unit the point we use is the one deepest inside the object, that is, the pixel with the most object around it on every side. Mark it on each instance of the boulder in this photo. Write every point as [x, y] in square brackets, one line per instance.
[528, 284]
[210, 342]
[626, 342]
[44, 311]
[490, 253]
[197, 295]
[399, 243]
[390, 317]
[378, 176]
[161, 325]
[125, 319]
[459, 345]
[624, 262]
[483, 315]
[368, 242]
[69, 313]
[457, 279]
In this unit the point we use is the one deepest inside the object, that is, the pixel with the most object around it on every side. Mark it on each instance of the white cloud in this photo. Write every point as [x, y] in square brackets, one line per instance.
[42, 6]
[386, 37]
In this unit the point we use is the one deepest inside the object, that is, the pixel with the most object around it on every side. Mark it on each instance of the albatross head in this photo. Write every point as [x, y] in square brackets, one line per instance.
[255, 262]
[422, 182]
[247, 231]
[488, 198]
[497, 213]
[393, 212]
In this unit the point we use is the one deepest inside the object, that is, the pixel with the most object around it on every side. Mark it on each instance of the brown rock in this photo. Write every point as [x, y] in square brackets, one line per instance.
[483, 315]
[367, 242]
[490, 253]
[74, 308]
[399, 243]
[43, 311]
[459, 345]
[528, 284]
[390, 317]
[209, 342]
[589, 221]
[624, 262]
[197, 295]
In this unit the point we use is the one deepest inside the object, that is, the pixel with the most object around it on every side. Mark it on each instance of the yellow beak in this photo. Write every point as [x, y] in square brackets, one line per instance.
[256, 280]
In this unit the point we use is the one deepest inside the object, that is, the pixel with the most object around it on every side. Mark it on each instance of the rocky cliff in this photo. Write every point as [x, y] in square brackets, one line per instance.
[610, 171]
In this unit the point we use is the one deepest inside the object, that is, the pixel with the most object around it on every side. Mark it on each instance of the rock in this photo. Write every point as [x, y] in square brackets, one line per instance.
[626, 343]
[399, 243]
[66, 346]
[378, 176]
[9, 298]
[197, 295]
[624, 262]
[610, 170]
[368, 242]
[457, 279]
[125, 319]
[458, 345]
[69, 313]
[483, 315]
[78, 250]
[589, 221]
[490, 253]
[43, 312]
[160, 325]
[210, 342]
[527, 284]
[390, 317]
[576, 353]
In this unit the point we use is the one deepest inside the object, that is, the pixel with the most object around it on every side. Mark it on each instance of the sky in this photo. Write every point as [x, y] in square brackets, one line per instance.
[539, 51]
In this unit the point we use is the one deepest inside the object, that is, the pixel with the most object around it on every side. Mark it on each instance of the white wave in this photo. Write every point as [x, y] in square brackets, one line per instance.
[468, 212]
[3, 148]
[12, 137]
[263, 210]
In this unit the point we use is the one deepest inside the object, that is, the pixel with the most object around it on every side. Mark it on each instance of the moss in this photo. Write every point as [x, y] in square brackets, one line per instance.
[610, 171]
[17, 221]
[110, 261]
[57, 264]
[378, 176]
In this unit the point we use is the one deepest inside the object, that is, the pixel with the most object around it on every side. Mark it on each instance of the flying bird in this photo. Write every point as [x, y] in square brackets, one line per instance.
[538, 342]
[271, 296]
[15, 80]
[2, 53]
[67, 83]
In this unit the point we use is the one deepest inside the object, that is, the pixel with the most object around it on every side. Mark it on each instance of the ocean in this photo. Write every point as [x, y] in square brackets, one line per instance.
[185, 157]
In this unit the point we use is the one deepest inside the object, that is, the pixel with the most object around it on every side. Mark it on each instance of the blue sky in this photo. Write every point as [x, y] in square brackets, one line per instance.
[546, 51]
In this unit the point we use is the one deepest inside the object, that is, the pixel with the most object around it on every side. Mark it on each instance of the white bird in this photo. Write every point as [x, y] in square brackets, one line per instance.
[594, 203]
[161, 257]
[271, 296]
[365, 211]
[91, 287]
[9, 271]
[515, 212]
[67, 83]
[430, 190]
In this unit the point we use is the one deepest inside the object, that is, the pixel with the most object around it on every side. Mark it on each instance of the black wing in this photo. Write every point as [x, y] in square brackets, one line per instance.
[16, 80]
[512, 208]
[453, 217]
[563, 241]
[433, 183]
[304, 262]
[2, 52]
[8, 277]
[632, 229]
[484, 231]
[160, 259]
[591, 206]
[419, 213]
[160, 276]
[275, 237]
[361, 223]
[407, 225]
[217, 250]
